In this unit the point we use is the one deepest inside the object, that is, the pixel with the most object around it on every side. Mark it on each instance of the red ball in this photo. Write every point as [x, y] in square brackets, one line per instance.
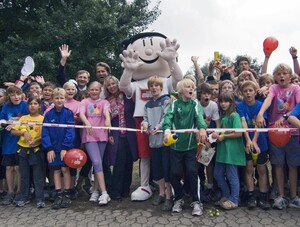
[75, 158]
[279, 138]
[270, 44]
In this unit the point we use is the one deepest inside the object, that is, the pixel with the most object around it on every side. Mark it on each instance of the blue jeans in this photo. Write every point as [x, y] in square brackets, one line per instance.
[226, 172]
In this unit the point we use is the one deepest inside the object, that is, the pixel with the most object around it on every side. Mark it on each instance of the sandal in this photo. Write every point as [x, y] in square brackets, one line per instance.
[229, 205]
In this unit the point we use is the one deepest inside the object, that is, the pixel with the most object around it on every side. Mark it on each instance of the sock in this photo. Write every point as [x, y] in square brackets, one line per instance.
[104, 193]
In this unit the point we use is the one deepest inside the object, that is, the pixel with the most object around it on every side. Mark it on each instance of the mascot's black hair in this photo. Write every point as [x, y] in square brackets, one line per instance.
[131, 40]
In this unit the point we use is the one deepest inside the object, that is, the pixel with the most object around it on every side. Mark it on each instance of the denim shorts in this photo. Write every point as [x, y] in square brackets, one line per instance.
[288, 154]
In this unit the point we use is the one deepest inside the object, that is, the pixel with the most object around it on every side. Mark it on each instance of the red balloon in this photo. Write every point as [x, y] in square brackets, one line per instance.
[75, 158]
[270, 44]
[279, 138]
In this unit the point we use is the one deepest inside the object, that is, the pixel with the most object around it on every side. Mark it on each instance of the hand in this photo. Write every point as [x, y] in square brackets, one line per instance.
[27, 137]
[90, 131]
[130, 60]
[144, 126]
[293, 52]
[194, 59]
[249, 147]
[256, 147]
[154, 131]
[8, 84]
[50, 156]
[263, 91]
[221, 138]
[40, 79]
[230, 69]
[64, 51]
[202, 135]
[111, 140]
[279, 122]
[168, 50]
[62, 154]
[260, 121]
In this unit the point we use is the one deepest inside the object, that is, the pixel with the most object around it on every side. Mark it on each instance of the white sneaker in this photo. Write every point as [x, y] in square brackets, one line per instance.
[197, 209]
[94, 197]
[104, 199]
[177, 207]
[142, 193]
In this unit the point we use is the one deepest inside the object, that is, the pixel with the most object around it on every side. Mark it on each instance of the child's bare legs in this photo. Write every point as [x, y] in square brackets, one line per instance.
[10, 178]
[67, 177]
[263, 179]
[249, 176]
[168, 190]
[279, 175]
[161, 187]
[293, 175]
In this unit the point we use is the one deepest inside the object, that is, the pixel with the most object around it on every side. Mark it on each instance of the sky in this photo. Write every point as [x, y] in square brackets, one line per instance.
[232, 27]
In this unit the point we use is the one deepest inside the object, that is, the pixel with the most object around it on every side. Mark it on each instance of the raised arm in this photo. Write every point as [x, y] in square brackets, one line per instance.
[293, 52]
[198, 69]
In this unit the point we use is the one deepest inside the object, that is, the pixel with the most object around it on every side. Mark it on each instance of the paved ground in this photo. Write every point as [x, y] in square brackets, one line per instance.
[127, 213]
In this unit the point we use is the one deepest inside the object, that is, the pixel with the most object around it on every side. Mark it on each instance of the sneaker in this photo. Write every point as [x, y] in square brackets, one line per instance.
[167, 206]
[66, 201]
[197, 208]
[73, 194]
[40, 204]
[178, 206]
[8, 199]
[251, 203]
[21, 203]
[94, 196]
[264, 204]
[104, 199]
[57, 202]
[142, 193]
[3, 194]
[280, 203]
[295, 203]
[158, 200]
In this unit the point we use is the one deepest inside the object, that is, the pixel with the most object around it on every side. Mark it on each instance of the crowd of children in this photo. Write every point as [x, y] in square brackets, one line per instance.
[35, 153]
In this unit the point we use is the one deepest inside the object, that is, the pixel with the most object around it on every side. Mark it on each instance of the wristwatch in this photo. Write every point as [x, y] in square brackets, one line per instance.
[285, 116]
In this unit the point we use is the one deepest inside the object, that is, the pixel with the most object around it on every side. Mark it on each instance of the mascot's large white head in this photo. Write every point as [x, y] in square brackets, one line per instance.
[147, 45]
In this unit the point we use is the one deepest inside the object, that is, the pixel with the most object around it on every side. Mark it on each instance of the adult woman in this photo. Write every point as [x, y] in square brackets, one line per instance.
[121, 150]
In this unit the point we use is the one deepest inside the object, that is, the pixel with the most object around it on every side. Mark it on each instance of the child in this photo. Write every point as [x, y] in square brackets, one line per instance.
[185, 113]
[265, 81]
[29, 153]
[2, 168]
[215, 90]
[95, 112]
[230, 153]
[56, 141]
[282, 98]
[155, 110]
[11, 111]
[212, 120]
[255, 143]
[47, 90]
[242, 77]
[227, 86]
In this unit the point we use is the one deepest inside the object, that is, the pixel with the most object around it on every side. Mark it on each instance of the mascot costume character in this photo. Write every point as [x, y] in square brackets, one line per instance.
[145, 55]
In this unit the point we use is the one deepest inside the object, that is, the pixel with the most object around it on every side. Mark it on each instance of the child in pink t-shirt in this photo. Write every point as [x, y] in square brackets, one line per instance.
[95, 112]
[282, 98]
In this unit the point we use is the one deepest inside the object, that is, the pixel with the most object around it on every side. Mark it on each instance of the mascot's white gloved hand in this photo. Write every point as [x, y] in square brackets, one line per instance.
[169, 50]
[130, 60]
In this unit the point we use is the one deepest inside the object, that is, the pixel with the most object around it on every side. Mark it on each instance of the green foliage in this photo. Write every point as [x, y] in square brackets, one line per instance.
[93, 30]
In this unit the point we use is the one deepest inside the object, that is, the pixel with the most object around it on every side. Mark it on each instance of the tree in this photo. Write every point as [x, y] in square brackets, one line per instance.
[93, 30]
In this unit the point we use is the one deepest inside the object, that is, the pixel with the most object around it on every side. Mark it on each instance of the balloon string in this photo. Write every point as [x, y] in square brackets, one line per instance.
[220, 130]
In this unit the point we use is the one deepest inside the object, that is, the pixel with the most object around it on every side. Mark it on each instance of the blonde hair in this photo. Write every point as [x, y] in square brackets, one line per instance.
[155, 80]
[95, 82]
[183, 83]
[283, 67]
[70, 84]
[192, 77]
[106, 80]
[58, 91]
[264, 77]
[249, 83]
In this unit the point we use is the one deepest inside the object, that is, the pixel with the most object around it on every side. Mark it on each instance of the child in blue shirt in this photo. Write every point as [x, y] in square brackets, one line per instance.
[12, 111]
